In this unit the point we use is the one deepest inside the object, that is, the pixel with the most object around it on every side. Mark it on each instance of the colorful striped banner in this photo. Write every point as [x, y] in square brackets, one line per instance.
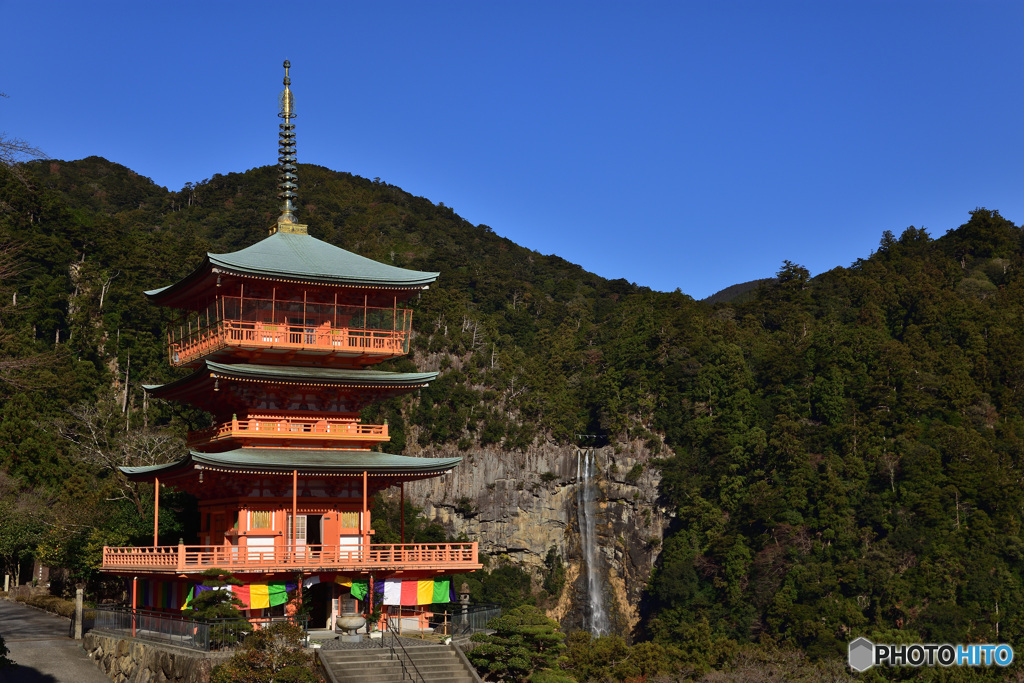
[242, 593]
[277, 593]
[162, 594]
[408, 593]
[393, 592]
[259, 596]
[253, 596]
[424, 592]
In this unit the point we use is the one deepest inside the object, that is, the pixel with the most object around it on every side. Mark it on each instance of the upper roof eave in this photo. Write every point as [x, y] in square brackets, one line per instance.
[299, 258]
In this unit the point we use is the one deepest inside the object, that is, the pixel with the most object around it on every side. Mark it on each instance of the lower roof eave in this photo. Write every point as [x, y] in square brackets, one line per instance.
[305, 461]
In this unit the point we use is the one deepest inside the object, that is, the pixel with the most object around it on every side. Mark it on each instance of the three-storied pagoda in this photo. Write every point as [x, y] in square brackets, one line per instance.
[279, 338]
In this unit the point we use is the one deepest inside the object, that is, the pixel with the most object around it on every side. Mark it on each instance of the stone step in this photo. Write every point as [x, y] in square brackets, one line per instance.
[360, 675]
[423, 667]
[371, 677]
[374, 677]
[431, 670]
[364, 656]
[355, 663]
[435, 663]
[432, 656]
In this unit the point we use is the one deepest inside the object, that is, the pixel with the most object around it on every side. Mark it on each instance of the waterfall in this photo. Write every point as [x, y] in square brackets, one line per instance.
[595, 619]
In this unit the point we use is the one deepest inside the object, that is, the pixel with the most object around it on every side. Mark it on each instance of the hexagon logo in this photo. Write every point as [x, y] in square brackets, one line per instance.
[862, 654]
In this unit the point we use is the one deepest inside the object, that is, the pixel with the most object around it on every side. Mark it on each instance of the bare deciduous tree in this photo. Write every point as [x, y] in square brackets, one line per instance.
[100, 439]
[15, 150]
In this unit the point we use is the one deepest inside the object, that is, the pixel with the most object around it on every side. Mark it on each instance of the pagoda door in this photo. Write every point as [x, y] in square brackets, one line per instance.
[314, 533]
[308, 533]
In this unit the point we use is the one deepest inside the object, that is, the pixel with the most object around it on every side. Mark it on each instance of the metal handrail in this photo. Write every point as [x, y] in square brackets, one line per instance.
[463, 619]
[195, 634]
[394, 638]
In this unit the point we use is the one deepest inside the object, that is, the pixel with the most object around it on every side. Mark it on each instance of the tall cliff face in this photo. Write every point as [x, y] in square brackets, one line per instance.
[520, 505]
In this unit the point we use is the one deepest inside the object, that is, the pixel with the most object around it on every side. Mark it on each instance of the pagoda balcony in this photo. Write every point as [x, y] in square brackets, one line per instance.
[266, 432]
[179, 559]
[267, 330]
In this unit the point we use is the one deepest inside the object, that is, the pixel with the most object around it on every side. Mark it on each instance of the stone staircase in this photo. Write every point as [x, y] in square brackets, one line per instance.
[436, 663]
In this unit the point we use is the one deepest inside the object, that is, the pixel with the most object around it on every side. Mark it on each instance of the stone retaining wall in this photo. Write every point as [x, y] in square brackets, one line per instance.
[130, 660]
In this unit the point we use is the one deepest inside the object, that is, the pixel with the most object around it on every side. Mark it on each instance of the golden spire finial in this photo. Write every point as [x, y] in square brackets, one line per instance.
[286, 155]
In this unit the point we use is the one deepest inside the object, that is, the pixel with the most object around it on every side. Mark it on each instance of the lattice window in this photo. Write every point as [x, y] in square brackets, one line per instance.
[261, 519]
[349, 520]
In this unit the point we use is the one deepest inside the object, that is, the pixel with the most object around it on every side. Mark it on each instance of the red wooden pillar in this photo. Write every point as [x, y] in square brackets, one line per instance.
[295, 515]
[135, 599]
[363, 525]
[295, 506]
[402, 508]
[156, 510]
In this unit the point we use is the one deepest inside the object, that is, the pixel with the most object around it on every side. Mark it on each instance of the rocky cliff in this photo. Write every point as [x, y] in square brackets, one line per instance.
[519, 505]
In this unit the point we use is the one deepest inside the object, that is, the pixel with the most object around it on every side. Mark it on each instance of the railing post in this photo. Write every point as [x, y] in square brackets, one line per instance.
[181, 554]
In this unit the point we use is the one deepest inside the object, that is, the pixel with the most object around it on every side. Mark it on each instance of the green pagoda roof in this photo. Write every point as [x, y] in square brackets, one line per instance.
[297, 257]
[299, 374]
[225, 469]
[219, 388]
[306, 460]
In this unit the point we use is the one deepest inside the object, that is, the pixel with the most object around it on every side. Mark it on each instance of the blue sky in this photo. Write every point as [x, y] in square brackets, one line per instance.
[675, 144]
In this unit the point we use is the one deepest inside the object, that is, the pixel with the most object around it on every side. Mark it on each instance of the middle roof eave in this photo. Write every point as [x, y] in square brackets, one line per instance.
[319, 374]
[295, 375]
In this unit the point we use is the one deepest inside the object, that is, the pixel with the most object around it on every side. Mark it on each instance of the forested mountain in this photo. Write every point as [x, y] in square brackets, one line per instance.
[736, 293]
[843, 453]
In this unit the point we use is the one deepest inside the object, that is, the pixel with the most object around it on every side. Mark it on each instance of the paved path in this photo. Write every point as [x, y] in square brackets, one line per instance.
[39, 644]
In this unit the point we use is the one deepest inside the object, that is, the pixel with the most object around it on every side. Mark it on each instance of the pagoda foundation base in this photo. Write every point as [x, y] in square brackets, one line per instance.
[122, 657]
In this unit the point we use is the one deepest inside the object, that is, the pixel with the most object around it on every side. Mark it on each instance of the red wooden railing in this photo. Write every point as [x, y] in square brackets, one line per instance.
[289, 429]
[206, 340]
[196, 558]
[293, 325]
